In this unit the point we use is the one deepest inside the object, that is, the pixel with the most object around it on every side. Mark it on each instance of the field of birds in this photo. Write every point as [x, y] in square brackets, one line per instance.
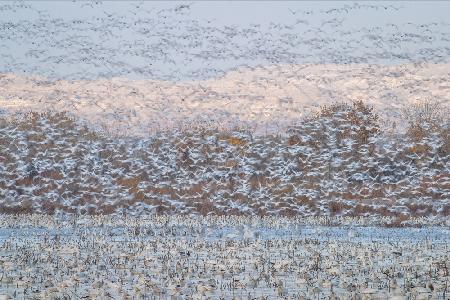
[162, 257]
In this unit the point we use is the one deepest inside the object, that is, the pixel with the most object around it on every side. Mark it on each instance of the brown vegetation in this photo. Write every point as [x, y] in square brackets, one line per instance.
[335, 162]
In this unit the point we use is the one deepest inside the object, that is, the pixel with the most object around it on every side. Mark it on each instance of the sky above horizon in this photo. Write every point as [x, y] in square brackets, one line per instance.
[196, 40]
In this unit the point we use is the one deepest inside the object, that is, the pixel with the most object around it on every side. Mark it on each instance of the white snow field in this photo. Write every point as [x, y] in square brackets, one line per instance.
[176, 257]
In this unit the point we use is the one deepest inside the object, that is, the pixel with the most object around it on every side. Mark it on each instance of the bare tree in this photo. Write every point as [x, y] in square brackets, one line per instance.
[424, 117]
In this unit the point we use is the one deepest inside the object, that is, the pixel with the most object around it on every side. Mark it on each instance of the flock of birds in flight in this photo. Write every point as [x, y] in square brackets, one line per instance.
[164, 258]
[172, 43]
[142, 41]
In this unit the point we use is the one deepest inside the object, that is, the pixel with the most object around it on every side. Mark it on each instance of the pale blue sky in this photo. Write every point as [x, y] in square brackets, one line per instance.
[169, 41]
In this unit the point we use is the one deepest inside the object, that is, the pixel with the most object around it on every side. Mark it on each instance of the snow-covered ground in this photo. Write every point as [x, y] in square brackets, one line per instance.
[220, 257]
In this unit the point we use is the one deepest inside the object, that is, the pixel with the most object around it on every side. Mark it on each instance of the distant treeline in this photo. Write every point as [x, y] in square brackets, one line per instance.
[335, 162]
